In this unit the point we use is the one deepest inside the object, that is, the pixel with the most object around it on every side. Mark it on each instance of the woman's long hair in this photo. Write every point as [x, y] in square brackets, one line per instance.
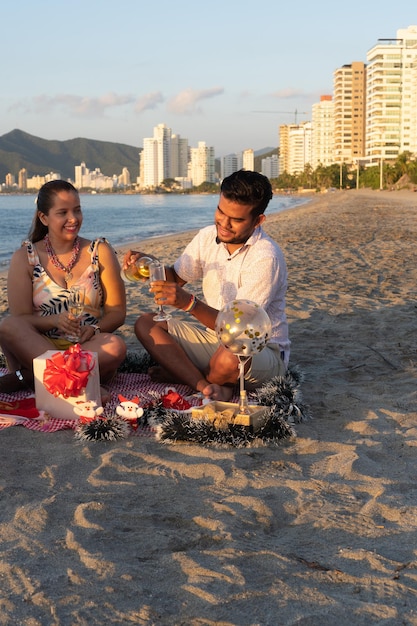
[44, 202]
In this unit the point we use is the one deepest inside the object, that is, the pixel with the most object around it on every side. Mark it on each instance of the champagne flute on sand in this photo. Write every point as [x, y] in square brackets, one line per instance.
[76, 300]
[139, 270]
[157, 272]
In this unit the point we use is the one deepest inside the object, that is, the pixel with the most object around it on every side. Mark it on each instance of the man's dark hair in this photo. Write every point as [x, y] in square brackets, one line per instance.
[246, 187]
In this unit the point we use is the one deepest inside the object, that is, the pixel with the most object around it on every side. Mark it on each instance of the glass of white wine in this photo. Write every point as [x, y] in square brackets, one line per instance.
[76, 300]
[157, 272]
[139, 270]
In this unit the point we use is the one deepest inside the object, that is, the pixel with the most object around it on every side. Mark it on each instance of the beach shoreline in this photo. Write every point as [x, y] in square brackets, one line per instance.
[318, 530]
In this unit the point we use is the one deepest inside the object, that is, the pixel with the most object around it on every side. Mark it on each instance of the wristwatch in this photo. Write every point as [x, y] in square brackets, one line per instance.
[97, 329]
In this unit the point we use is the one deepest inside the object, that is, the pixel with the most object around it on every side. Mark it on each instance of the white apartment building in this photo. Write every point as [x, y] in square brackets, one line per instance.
[270, 166]
[248, 160]
[179, 157]
[201, 167]
[10, 180]
[168, 156]
[156, 157]
[95, 179]
[228, 165]
[295, 141]
[124, 179]
[235, 162]
[163, 156]
[322, 152]
[36, 182]
[391, 119]
[22, 179]
[81, 176]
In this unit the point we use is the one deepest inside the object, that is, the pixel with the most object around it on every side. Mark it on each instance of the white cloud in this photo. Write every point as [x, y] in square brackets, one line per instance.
[76, 105]
[288, 93]
[149, 101]
[186, 101]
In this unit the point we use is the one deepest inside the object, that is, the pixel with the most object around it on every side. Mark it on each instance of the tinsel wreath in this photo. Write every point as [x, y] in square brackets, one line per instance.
[281, 394]
[99, 429]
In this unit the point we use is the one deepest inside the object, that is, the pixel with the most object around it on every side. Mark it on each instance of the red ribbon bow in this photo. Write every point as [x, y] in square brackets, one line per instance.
[66, 373]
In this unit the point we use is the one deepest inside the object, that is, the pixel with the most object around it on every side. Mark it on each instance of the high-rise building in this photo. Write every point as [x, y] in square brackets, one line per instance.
[322, 132]
[202, 164]
[295, 141]
[248, 160]
[228, 165]
[22, 179]
[156, 157]
[391, 118]
[10, 180]
[163, 156]
[82, 174]
[233, 162]
[124, 179]
[179, 157]
[270, 166]
[349, 112]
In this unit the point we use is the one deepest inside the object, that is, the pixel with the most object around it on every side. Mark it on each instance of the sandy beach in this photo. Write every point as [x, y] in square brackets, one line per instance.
[317, 531]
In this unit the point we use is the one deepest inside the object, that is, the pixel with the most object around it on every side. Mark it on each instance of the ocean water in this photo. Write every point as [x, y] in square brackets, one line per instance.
[122, 219]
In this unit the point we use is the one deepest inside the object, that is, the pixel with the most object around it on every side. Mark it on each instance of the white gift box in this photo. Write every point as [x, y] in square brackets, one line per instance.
[59, 406]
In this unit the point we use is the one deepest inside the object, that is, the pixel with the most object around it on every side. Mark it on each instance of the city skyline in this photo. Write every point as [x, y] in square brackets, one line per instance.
[228, 76]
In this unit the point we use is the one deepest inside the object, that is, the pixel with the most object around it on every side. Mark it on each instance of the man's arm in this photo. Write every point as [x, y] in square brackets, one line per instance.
[172, 293]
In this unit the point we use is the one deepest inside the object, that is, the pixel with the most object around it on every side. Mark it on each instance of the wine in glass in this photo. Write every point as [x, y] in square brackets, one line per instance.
[76, 301]
[157, 272]
[139, 270]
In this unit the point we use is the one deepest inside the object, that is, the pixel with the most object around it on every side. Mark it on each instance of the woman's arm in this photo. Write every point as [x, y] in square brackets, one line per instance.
[20, 294]
[114, 294]
[19, 284]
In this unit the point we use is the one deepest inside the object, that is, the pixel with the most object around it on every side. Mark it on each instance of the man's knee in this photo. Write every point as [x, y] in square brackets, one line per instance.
[143, 324]
[224, 365]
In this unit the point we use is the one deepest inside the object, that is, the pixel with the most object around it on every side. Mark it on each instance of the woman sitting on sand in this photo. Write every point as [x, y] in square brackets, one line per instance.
[53, 259]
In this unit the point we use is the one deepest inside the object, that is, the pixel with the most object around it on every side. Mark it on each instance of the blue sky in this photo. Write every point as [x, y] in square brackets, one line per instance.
[226, 72]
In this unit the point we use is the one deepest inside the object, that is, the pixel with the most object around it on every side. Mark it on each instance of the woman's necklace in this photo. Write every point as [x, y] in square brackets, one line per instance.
[57, 263]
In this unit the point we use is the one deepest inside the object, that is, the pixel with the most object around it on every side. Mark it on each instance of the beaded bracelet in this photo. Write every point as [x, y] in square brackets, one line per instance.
[191, 304]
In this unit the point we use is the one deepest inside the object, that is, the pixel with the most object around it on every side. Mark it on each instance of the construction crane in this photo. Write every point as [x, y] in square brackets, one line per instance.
[295, 113]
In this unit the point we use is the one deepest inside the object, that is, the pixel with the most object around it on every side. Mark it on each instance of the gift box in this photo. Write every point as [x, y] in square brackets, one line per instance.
[64, 378]
[223, 414]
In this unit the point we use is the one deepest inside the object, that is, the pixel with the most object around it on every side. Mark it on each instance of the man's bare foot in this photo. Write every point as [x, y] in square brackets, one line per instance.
[158, 374]
[217, 392]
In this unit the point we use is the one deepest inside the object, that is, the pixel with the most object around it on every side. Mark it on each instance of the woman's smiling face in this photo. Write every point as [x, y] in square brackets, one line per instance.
[65, 216]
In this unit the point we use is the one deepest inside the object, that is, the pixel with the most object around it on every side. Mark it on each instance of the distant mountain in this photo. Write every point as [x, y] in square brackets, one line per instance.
[263, 151]
[39, 156]
[263, 154]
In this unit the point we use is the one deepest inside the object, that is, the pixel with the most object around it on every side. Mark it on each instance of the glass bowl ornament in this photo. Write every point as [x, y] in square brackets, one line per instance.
[244, 328]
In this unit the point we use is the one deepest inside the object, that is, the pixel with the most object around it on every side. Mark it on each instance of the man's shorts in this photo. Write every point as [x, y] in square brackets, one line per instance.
[201, 343]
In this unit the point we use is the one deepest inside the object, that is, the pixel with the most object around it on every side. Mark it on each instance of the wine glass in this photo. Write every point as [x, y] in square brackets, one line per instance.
[138, 270]
[157, 272]
[76, 301]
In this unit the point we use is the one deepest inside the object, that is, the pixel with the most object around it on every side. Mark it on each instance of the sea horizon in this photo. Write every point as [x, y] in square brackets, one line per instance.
[124, 218]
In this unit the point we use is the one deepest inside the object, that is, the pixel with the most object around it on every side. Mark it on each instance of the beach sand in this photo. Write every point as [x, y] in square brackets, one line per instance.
[320, 530]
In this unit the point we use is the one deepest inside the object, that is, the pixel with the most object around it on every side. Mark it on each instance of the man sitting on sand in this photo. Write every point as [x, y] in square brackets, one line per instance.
[234, 259]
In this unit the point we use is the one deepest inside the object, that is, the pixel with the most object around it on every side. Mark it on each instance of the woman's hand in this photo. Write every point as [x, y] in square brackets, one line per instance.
[65, 323]
[87, 333]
